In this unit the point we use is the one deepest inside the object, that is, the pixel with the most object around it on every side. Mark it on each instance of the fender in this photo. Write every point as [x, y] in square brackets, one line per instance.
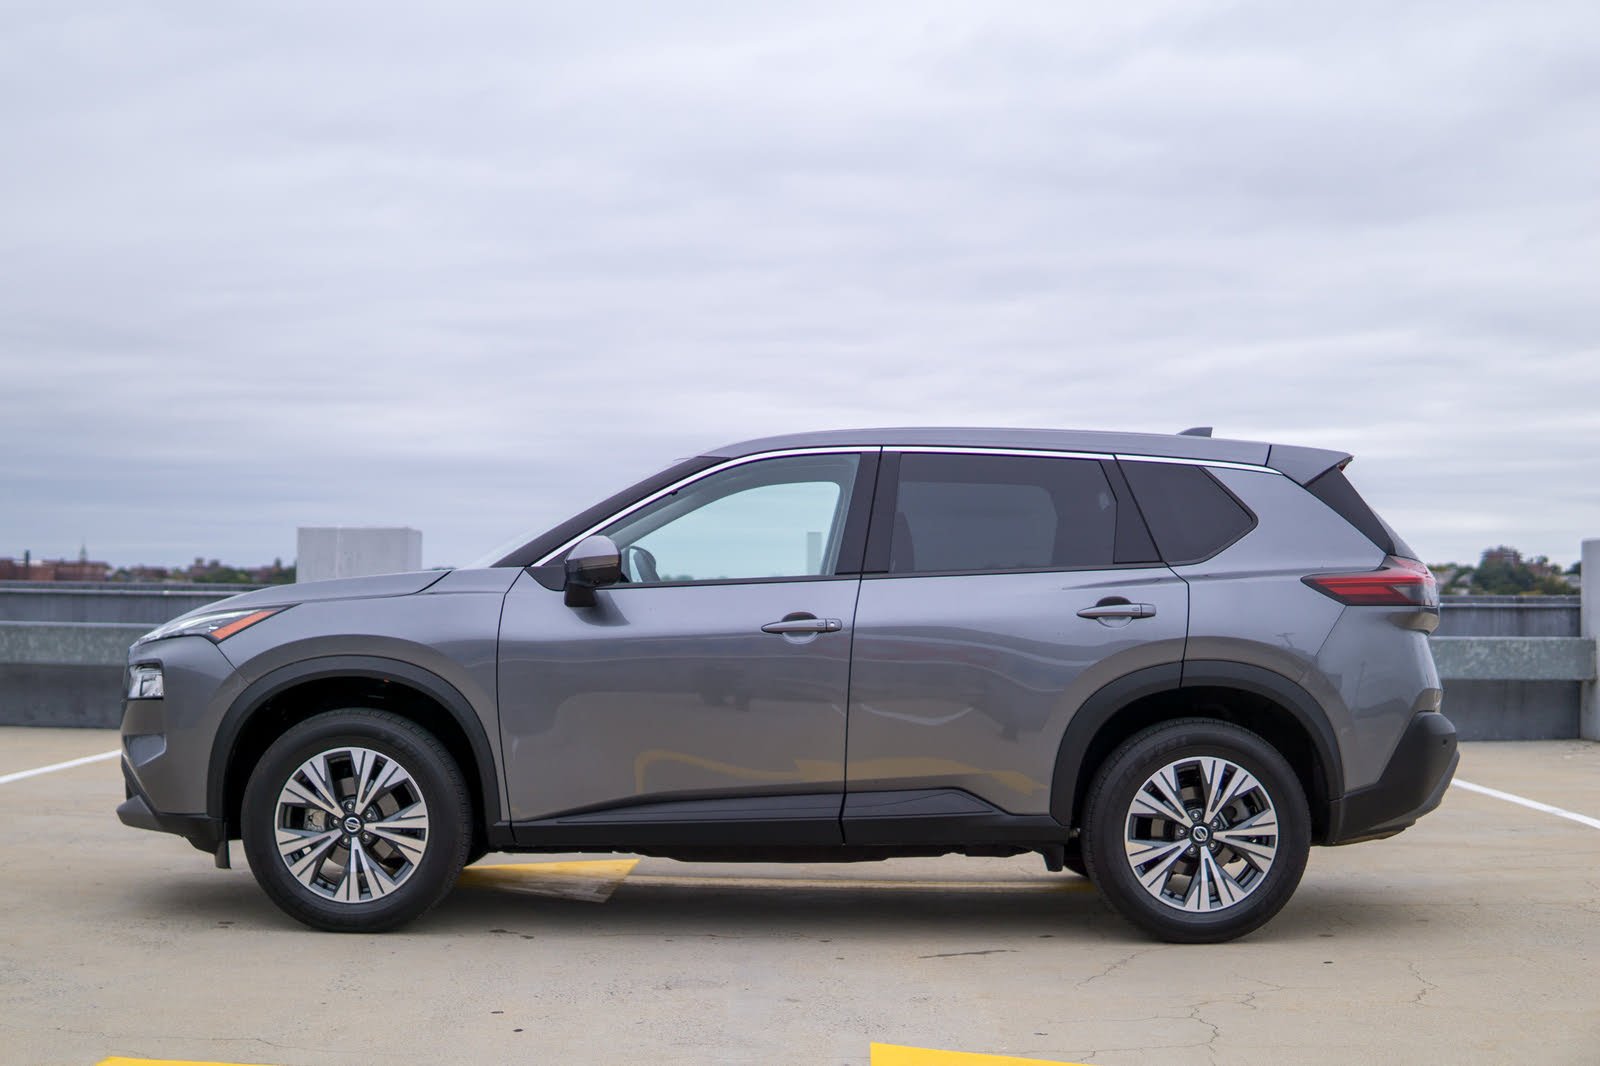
[1107, 701]
[285, 677]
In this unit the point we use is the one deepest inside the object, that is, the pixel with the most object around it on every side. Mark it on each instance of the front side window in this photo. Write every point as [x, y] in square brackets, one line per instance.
[1001, 512]
[773, 518]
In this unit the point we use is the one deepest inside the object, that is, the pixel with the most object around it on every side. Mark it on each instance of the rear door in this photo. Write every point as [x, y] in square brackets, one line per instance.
[1002, 589]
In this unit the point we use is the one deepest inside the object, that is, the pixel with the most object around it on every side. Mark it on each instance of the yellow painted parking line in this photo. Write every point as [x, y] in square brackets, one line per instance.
[592, 882]
[120, 1061]
[898, 1055]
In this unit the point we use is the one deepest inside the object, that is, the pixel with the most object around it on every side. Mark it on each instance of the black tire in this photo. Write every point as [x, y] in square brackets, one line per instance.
[433, 778]
[1107, 818]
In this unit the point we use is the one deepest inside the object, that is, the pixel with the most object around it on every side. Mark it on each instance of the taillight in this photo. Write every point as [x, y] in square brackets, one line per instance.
[1397, 583]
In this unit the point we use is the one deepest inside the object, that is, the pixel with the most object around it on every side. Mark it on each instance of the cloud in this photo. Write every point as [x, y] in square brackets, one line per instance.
[470, 272]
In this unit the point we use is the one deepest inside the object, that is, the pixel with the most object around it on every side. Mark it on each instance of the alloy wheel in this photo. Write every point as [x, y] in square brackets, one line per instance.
[1201, 834]
[351, 824]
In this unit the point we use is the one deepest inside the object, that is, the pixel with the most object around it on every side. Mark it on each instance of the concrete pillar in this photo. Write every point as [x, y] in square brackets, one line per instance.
[343, 551]
[1589, 709]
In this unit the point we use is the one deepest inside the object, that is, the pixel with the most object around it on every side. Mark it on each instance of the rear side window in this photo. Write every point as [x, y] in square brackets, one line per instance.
[1190, 514]
[989, 513]
[1335, 490]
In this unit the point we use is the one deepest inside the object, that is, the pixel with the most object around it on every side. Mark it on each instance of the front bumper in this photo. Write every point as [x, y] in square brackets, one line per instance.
[203, 831]
[1411, 785]
[167, 740]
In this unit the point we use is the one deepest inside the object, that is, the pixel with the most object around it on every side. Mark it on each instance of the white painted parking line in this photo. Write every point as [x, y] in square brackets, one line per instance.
[53, 767]
[1581, 819]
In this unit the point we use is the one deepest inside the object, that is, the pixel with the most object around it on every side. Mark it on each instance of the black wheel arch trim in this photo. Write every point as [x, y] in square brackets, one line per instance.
[1308, 712]
[1113, 697]
[270, 684]
[1094, 713]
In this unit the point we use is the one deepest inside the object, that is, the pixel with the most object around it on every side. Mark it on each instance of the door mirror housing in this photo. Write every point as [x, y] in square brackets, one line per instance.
[593, 562]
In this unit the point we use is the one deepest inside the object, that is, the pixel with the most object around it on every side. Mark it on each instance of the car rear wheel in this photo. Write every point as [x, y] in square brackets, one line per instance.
[1196, 831]
[356, 821]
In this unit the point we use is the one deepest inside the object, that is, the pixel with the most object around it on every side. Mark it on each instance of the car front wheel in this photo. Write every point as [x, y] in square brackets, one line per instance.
[1196, 831]
[356, 821]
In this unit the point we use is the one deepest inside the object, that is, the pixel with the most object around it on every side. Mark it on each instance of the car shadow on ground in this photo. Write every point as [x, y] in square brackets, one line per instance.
[1067, 909]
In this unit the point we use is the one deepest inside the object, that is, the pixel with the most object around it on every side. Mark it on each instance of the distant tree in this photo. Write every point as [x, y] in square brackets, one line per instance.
[1454, 579]
[1502, 578]
[1503, 572]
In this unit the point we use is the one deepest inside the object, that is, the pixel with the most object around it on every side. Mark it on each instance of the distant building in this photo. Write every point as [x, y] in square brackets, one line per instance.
[144, 574]
[29, 569]
[276, 574]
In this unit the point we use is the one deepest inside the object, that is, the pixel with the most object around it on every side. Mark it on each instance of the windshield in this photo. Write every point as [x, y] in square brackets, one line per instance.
[531, 546]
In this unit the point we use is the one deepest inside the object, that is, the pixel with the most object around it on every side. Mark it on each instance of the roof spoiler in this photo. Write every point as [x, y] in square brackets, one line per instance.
[1305, 465]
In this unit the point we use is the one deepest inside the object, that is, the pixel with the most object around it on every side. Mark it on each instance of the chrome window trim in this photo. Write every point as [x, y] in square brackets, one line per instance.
[1219, 464]
[935, 449]
[864, 449]
[867, 449]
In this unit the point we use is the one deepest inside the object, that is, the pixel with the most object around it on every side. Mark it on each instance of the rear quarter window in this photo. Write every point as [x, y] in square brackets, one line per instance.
[1190, 514]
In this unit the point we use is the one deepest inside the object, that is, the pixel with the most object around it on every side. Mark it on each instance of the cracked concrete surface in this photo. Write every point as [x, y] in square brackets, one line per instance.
[1470, 939]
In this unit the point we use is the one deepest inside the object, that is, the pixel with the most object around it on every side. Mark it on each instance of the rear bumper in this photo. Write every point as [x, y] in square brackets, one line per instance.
[1411, 785]
[203, 831]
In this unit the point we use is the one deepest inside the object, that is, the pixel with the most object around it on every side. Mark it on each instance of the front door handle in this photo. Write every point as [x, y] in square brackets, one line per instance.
[804, 625]
[1119, 610]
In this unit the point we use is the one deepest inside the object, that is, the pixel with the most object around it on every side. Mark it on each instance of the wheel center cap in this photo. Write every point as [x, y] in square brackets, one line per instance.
[352, 824]
[1201, 834]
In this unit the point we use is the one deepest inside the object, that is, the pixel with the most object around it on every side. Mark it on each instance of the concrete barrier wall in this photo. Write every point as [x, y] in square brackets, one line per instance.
[1512, 668]
[1499, 688]
[89, 697]
[1510, 616]
[63, 645]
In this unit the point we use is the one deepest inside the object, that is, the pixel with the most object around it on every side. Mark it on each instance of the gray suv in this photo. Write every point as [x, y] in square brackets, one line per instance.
[1169, 663]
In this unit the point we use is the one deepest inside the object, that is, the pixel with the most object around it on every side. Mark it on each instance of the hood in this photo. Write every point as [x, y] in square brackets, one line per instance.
[344, 588]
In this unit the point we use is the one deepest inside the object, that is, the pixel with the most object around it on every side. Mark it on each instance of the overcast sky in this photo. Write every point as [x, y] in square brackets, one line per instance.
[277, 265]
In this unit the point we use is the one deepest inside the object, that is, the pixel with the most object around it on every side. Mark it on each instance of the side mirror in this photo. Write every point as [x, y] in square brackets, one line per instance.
[593, 562]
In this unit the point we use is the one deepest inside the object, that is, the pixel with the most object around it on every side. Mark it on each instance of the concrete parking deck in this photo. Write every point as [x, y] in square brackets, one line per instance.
[1473, 938]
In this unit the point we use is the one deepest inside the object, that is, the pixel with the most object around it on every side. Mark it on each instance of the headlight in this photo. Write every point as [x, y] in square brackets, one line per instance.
[217, 626]
[145, 682]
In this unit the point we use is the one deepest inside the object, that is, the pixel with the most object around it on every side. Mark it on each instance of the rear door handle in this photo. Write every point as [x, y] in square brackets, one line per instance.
[804, 625]
[1119, 610]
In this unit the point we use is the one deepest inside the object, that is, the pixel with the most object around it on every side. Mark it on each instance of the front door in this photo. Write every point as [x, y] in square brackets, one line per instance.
[712, 683]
